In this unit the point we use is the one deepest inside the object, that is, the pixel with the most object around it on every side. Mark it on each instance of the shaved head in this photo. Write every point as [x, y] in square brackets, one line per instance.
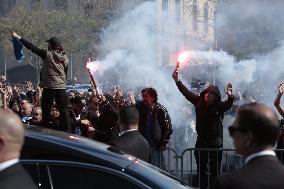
[11, 135]
[261, 120]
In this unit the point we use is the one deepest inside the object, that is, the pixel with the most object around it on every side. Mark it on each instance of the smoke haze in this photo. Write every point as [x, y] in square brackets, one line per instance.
[129, 46]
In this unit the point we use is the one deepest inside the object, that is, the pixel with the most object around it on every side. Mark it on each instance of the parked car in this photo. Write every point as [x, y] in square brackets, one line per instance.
[60, 160]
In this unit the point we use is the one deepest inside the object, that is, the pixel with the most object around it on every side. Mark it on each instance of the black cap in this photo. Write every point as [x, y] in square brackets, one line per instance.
[54, 41]
[129, 115]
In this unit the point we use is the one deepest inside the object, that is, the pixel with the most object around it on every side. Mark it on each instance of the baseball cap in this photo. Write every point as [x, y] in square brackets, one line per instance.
[54, 41]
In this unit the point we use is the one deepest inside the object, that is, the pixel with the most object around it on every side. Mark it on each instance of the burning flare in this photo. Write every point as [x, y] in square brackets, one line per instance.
[183, 57]
[91, 65]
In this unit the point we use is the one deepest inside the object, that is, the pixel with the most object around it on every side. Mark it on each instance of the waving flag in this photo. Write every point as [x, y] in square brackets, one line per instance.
[18, 49]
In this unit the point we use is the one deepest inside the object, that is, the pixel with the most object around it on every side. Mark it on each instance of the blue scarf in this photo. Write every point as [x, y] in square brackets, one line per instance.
[18, 49]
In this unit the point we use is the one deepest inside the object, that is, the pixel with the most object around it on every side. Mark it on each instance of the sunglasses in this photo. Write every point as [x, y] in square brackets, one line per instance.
[232, 130]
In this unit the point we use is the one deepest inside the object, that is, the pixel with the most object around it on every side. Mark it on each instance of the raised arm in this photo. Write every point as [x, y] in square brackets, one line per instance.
[190, 96]
[38, 51]
[279, 108]
[227, 104]
[131, 98]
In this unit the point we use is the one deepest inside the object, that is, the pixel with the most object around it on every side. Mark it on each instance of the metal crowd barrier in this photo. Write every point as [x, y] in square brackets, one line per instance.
[184, 165]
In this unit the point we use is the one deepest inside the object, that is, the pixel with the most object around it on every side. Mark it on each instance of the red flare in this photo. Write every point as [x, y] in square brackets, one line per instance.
[91, 65]
[183, 57]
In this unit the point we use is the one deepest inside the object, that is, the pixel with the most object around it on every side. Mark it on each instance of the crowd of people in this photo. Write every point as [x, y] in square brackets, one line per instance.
[92, 115]
[143, 127]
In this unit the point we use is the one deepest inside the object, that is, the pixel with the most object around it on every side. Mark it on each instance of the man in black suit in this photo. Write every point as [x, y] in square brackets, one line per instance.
[130, 140]
[254, 132]
[12, 174]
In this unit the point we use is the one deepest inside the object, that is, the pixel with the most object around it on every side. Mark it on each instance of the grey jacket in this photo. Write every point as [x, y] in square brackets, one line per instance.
[54, 68]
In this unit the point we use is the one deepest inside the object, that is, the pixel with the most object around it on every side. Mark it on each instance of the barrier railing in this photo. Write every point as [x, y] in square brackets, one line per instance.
[185, 165]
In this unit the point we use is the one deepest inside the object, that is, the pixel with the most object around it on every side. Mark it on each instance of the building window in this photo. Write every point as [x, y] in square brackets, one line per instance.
[194, 16]
[177, 10]
[11, 4]
[2, 8]
[205, 23]
[61, 4]
[34, 3]
[165, 5]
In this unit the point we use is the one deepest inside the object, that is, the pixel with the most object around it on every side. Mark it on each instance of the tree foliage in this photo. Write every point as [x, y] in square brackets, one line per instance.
[38, 25]
[79, 27]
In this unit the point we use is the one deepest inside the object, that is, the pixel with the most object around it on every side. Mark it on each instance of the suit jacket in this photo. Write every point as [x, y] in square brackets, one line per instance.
[133, 143]
[16, 177]
[264, 172]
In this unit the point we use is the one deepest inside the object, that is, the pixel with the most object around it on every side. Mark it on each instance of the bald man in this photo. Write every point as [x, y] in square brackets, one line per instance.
[26, 112]
[12, 174]
[254, 134]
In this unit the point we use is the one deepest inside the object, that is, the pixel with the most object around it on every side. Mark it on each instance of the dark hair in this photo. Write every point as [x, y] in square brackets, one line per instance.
[72, 91]
[23, 97]
[76, 100]
[151, 92]
[55, 44]
[54, 106]
[129, 115]
[255, 117]
[56, 47]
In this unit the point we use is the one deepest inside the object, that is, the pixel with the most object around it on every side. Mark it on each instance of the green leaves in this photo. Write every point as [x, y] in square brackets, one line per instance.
[38, 25]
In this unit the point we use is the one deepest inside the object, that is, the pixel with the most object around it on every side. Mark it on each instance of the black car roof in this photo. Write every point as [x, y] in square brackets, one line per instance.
[112, 156]
[78, 143]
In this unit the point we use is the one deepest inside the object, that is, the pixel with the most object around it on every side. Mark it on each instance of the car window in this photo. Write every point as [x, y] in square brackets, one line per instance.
[37, 149]
[74, 176]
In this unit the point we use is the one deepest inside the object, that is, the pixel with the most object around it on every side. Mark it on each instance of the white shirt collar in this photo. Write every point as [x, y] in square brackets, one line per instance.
[123, 132]
[8, 163]
[258, 154]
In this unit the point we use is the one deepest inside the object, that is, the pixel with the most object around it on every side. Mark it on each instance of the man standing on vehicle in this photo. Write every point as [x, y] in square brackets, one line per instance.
[53, 77]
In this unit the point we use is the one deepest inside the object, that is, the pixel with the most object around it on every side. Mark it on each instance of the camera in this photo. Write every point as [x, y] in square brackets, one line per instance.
[27, 119]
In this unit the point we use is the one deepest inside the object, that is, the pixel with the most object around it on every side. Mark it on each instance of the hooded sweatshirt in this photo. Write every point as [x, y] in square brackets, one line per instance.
[54, 68]
[209, 119]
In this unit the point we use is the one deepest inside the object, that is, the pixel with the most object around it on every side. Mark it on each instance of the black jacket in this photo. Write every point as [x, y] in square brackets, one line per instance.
[264, 172]
[209, 120]
[161, 120]
[16, 177]
[134, 143]
[106, 123]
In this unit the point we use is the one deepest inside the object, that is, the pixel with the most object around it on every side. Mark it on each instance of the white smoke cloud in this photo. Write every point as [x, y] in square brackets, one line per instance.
[130, 49]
